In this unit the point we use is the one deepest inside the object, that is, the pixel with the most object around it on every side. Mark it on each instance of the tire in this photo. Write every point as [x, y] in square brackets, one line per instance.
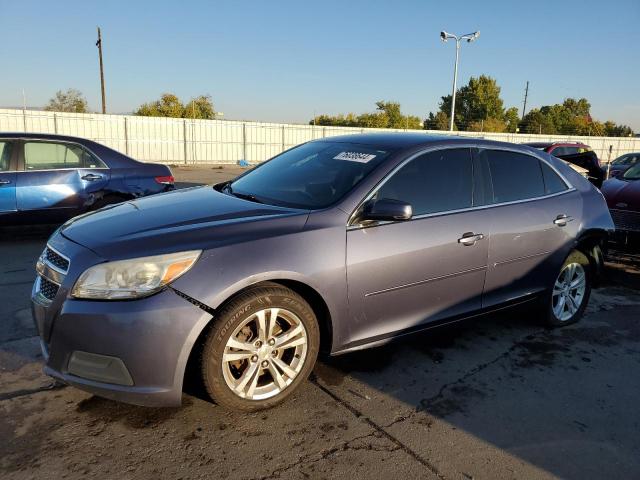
[569, 313]
[243, 376]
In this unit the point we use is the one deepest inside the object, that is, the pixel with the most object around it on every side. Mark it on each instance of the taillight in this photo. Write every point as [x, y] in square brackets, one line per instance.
[167, 180]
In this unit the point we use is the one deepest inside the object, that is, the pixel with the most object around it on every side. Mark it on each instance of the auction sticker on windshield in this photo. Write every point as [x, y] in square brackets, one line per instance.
[355, 157]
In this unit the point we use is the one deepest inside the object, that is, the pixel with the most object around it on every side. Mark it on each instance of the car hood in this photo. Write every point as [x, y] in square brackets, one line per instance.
[192, 218]
[622, 194]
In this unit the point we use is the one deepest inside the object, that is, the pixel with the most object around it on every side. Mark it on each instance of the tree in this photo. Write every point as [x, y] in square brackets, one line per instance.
[200, 107]
[169, 105]
[387, 115]
[70, 101]
[571, 117]
[479, 107]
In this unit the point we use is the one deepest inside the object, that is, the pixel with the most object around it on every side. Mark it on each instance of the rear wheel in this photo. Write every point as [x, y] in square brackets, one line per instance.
[571, 290]
[263, 344]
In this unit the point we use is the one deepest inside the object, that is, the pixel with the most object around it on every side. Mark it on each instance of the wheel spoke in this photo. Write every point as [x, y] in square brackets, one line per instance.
[273, 317]
[277, 376]
[246, 377]
[578, 282]
[290, 372]
[560, 307]
[557, 288]
[235, 356]
[254, 383]
[238, 345]
[573, 305]
[262, 325]
[288, 339]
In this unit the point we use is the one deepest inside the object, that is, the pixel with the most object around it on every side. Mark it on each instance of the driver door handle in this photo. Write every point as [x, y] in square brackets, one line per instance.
[4, 182]
[562, 220]
[470, 238]
[92, 177]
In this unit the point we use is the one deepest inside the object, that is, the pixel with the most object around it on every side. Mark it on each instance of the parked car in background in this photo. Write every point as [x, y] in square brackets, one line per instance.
[622, 164]
[50, 178]
[623, 198]
[575, 153]
[335, 245]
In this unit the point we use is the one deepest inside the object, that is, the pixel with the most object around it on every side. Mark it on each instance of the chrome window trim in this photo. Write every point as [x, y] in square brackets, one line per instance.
[49, 140]
[374, 190]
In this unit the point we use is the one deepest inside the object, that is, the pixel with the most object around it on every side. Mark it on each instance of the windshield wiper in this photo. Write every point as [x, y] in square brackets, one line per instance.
[245, 196]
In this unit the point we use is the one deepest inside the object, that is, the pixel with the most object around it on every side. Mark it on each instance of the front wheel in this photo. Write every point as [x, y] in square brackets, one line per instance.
[570, 292]
[263, 344]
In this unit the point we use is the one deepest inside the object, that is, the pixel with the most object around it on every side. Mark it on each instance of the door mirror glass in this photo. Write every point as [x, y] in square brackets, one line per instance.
[385, 209]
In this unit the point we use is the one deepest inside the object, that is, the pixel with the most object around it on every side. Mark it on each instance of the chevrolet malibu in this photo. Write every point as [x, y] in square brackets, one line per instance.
[333, 246]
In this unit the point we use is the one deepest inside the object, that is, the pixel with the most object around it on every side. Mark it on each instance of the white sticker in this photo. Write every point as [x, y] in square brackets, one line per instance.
[355, 157]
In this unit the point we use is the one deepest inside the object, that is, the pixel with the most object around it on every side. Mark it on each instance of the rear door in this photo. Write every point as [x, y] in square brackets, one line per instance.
[403, 275]
[7, 177]
[535, 217]
[58, 175]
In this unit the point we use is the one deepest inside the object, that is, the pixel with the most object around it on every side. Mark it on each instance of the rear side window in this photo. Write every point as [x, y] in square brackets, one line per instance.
[435, 182]
[514, 176]
[5, 155]
[552, 181]
[53, 156]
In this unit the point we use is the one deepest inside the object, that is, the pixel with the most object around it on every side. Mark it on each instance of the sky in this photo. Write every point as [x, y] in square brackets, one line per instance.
[283, 61]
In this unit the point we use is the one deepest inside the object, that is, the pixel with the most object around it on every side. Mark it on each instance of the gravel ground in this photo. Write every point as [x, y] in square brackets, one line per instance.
[499, 397]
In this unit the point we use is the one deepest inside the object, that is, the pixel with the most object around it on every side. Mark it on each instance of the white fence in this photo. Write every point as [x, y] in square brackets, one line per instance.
[185, 141]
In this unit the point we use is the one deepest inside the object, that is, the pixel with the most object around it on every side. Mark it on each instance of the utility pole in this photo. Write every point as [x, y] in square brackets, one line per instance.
[99, 45]
[524, 105]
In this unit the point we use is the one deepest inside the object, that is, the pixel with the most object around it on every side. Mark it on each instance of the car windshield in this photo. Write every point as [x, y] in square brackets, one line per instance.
[311, 176]
[633, 173]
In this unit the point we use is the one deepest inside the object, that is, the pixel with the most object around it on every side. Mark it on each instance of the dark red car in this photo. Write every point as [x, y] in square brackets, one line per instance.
[577, 153]
[623, 198]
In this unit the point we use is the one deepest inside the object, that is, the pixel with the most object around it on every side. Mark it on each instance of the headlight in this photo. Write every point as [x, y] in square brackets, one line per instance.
[138, 277]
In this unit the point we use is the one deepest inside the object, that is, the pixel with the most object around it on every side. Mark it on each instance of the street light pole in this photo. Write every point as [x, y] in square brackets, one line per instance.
[469, 37]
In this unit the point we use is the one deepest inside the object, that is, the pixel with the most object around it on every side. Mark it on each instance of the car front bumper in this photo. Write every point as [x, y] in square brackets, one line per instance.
[131, 351]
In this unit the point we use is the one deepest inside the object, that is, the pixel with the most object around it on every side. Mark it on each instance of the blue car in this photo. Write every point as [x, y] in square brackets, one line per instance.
[50, 178]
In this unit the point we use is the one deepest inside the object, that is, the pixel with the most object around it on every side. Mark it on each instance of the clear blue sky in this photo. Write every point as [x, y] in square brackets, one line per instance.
[283, 60]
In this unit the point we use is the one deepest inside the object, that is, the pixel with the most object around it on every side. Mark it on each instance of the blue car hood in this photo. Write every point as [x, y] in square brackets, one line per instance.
[193, 218]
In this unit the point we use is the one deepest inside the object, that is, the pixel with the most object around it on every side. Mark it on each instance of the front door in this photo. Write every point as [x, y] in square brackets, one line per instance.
[58, 175]
[403, 275]
[7, 177]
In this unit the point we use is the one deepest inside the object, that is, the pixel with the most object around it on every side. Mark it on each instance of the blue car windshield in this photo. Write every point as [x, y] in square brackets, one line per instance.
[311, 176]
[633, 173]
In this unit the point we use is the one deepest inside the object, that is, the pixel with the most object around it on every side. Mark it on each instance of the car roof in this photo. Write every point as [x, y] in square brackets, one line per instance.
[43, 136]
[407, 140]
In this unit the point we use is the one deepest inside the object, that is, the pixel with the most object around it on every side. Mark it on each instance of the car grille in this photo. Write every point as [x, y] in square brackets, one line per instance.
[48, 289]
[56, 260]
[626, 220]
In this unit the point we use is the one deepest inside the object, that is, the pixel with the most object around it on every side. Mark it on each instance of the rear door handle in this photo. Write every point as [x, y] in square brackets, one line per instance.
[562, 220]
[92, 177]
[4, 182]
[470, 238]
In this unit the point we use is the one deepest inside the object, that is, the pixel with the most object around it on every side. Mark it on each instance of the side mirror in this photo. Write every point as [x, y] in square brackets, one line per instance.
[385, 209]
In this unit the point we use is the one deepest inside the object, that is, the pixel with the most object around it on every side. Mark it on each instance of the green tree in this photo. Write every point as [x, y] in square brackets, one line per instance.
[479, 107]
[70, 101]
[169, 105]
[200, 107]
[387, 115]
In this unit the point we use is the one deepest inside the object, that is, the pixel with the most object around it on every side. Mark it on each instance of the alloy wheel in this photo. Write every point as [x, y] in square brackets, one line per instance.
[264, 354]
[568, 291]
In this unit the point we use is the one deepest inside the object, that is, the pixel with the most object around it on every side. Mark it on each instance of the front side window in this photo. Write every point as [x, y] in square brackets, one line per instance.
[5, 155]
[52, 156]
[515, 176]
[435, 182]
[311, 176]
